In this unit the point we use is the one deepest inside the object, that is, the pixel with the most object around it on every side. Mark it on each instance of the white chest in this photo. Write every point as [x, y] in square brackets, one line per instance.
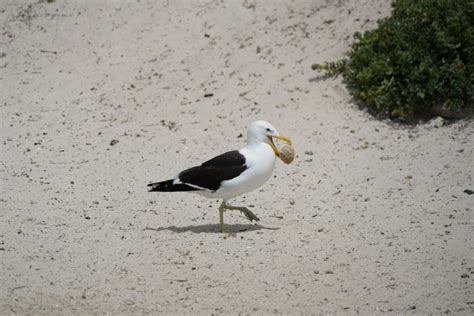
[260, 160]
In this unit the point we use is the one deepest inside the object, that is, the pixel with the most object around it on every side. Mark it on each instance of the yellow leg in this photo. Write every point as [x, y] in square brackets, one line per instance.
[250, 216]
[221, 216]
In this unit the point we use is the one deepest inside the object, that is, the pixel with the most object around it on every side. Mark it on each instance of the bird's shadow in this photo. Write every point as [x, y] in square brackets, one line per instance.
[212, 228]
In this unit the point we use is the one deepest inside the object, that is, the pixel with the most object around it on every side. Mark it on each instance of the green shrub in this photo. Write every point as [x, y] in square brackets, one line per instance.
[418, 59]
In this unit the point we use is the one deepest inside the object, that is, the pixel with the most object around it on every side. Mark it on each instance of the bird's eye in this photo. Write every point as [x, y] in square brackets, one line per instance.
[268, 130]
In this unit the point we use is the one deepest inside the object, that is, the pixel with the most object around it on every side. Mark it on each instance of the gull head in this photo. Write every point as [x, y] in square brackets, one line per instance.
[264, 132]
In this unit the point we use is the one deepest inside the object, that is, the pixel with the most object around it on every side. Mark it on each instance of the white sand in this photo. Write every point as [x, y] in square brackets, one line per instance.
[370, 217]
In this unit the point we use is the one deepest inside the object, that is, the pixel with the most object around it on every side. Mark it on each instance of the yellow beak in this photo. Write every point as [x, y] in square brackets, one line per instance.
[283, 138]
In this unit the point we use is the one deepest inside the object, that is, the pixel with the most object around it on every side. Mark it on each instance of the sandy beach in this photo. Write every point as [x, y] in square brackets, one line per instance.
[100, 98]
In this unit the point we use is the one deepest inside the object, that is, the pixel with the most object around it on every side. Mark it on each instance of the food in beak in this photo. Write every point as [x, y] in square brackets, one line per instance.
[287, 154]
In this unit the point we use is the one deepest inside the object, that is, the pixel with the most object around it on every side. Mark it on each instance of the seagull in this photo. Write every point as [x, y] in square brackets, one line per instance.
[232, 173]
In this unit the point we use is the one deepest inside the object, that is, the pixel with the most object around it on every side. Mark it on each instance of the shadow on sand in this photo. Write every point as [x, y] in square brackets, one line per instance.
[213, 228]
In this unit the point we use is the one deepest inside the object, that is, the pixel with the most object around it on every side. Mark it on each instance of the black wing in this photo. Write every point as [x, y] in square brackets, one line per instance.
[210, 174]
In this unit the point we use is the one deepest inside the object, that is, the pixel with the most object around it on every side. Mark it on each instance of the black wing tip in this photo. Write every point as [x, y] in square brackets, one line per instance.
[153, 189]
[160, 186]
[169, 186]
